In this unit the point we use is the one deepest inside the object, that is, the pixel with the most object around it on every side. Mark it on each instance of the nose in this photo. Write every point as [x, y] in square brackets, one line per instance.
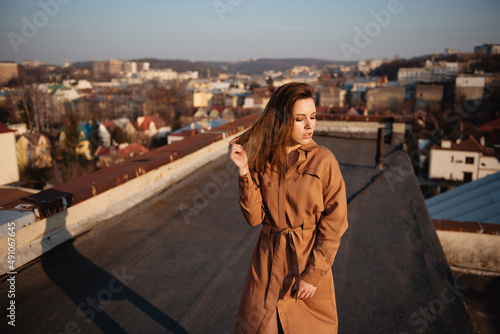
[308, 124]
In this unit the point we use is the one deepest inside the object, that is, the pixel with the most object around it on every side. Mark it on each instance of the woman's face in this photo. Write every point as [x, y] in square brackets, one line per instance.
[304, 114]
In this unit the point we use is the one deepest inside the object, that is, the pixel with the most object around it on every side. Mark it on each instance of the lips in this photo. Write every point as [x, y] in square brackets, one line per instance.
[307, 136]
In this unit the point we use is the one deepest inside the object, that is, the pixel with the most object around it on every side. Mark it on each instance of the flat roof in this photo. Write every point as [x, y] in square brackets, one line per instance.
[182, 258]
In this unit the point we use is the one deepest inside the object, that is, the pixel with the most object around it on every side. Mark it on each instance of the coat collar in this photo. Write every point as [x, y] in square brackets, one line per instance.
[308, 147]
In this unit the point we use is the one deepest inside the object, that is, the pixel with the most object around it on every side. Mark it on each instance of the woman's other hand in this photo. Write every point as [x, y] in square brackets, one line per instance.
[238, 156]
[304, 291]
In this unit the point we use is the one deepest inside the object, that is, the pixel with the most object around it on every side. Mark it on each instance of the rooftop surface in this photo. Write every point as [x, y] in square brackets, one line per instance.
[177, 262]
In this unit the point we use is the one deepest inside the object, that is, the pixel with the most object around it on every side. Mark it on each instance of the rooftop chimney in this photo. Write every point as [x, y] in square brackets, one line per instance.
[446, 144]
[379, 158]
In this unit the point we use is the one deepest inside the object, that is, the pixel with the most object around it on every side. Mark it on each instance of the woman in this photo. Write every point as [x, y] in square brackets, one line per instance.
[295, 189]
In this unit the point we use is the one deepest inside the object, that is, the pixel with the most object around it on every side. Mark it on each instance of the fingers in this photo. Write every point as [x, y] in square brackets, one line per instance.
[236, 150]
[233, 141]
[305, 294]
[304, 291]
[239, 157]
[236, 147]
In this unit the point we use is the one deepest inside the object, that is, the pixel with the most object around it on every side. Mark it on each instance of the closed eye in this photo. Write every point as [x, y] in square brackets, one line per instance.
[301, 119]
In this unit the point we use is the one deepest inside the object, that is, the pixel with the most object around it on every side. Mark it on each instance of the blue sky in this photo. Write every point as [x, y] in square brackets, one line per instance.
[240, 29]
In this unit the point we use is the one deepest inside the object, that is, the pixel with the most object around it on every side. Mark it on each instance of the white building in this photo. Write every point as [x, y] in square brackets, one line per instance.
[160, 75]
[189, 75]
[249, 102]
[450, 51]
[63, 96]
[470, 82]
[19, 128]
[130, 67]
[222, 86]
[78, 84]
[104, 135]
[470, 87]
[60, 93]
[201, 99]
[365, 66]
[432, 72]
[463, 160]
[9, 171]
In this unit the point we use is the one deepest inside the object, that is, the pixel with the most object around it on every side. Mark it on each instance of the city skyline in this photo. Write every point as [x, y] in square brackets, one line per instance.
[231, 30]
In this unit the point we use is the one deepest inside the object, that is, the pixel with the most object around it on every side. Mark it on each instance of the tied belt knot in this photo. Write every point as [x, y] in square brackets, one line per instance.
[288, 235]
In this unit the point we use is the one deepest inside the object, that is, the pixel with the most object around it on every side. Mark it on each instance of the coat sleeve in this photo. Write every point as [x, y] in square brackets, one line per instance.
[331, 226]
[251, 200]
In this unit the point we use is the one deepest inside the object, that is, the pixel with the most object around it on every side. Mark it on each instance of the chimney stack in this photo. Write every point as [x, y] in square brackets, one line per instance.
[379, 158]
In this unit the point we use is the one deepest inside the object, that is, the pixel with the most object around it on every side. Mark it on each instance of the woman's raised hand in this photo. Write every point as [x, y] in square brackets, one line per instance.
[304, 291]
[238, 156]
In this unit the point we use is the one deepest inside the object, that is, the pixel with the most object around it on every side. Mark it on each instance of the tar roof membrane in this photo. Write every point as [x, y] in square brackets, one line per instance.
[177, 262]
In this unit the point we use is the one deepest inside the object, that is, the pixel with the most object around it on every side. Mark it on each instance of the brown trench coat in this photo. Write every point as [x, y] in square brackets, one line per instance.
[304, 215]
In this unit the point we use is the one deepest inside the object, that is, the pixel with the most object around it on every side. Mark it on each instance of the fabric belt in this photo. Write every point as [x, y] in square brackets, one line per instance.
[289, 235]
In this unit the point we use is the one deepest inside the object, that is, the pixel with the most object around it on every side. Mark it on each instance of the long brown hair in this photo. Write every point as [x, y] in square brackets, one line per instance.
[266, 141]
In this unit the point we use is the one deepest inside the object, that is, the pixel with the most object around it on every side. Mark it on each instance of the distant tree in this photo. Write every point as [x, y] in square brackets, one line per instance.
[4, 114]
[8, 111]
[391, 69]
[95, 139]
[72, 135]
[25, 108]
[488, 63]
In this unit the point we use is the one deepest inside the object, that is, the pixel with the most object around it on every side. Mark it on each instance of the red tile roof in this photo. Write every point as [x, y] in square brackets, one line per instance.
[218, 108]
[108, 124]
[127, 152]
[130, 151]
[488, 127]
[102, 151]
[151, 118]
[4, 129]
[468, 145]
[339, 110]
[185, 133]
[322, 109]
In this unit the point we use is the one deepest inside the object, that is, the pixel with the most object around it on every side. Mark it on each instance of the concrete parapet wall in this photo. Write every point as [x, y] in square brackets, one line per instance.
[471, 252]
[42, 221]
[364, 127]
[350, 129]
[470, 246]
